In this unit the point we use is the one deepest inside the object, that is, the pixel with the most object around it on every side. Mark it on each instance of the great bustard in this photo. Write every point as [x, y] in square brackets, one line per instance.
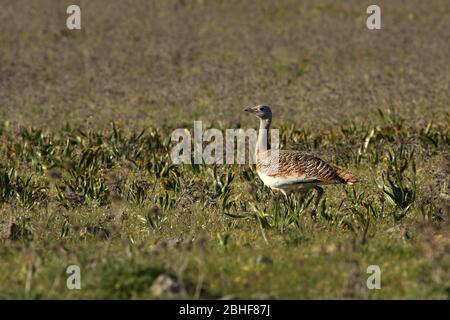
[289, 170]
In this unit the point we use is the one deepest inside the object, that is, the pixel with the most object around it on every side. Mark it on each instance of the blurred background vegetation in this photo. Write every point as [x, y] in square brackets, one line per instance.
[86, 178]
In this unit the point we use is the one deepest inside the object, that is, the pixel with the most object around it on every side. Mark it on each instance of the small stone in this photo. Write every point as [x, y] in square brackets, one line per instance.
[392, 230]
[330, 249]
[263, 260]
[228, 297]
[165, 286]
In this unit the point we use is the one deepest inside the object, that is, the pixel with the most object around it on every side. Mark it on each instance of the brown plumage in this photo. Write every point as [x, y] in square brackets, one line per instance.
[289, 170]
[292, 163]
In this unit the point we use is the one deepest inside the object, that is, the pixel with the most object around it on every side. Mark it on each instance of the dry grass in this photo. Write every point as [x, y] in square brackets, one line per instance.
[208, 59]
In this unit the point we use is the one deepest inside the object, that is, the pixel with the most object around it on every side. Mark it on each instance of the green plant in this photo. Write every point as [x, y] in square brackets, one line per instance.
[27, 192]
[360, 214]
[6, 184]
[398, 182]
[138, 192]
[221, 187]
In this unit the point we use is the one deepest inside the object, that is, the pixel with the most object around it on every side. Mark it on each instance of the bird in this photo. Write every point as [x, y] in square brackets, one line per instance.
[292, 171]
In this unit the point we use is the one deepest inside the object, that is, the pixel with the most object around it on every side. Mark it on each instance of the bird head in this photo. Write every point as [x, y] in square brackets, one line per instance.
[262, 111]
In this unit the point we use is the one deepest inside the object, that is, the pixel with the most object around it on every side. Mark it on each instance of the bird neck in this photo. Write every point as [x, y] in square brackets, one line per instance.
[263, 136]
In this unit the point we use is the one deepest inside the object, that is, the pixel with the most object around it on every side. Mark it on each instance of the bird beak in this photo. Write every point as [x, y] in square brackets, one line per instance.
[248, 109]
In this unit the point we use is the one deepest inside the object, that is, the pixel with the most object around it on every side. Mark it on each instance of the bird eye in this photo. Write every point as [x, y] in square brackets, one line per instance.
[261, 108]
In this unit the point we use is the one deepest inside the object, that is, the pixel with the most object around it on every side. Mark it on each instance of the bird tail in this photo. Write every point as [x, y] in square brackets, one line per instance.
[346, 177]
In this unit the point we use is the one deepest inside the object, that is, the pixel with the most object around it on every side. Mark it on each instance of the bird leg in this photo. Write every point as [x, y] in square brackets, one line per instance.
[288, 203]
[287, 198]
[316, 203]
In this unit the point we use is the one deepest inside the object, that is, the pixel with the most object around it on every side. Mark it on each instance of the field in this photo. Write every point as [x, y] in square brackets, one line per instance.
[85, 135]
